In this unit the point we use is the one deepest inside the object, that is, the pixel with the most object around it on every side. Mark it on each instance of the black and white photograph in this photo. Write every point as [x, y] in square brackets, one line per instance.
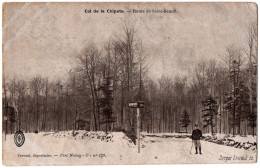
[129, 83]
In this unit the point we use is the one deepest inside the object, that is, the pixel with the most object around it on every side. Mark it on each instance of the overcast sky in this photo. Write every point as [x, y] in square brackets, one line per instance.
[43, 38]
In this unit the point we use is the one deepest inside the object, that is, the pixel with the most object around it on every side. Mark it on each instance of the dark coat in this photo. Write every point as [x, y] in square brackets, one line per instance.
[196, 134]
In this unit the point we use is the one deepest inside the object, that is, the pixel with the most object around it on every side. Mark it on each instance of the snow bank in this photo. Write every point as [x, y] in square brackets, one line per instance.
[247, 143]
[82, 135]
[167, 135]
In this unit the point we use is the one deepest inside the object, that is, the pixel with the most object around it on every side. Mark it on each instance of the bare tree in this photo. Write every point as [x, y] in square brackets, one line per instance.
[90, 61]
[36, 86]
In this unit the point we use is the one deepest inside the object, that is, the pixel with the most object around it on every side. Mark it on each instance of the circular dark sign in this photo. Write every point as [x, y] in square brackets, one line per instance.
[19, 138]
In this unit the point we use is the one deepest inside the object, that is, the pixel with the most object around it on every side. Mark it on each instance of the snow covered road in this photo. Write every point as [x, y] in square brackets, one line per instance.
[64, 149]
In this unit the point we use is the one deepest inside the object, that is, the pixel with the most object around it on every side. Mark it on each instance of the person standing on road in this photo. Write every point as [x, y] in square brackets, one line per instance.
[196, 134]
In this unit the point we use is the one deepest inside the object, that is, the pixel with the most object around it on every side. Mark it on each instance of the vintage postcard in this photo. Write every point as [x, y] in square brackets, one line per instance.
[129, 83]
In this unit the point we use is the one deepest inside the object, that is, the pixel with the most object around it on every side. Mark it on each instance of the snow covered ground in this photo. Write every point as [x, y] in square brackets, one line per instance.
[82, 147]
[248, 142]
[237, 138]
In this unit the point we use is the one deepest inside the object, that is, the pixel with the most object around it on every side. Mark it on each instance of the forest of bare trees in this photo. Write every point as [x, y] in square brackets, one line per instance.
[220, 95]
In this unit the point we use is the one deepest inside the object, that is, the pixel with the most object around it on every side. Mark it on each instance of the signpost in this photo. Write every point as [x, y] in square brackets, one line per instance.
[138, 129]
[137, 105]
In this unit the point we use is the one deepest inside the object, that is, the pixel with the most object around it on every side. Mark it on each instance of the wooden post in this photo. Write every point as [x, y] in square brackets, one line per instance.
[138, 129]
[137, 105]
